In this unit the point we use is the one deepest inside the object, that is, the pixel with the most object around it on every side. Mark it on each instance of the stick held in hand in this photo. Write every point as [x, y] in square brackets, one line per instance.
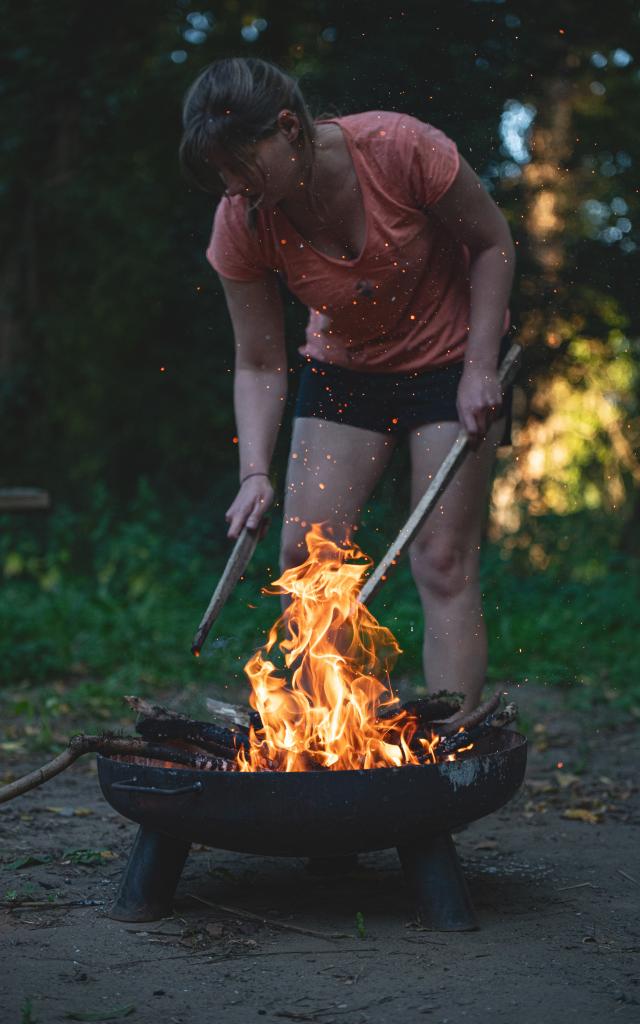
[235, 567]
[451, 463]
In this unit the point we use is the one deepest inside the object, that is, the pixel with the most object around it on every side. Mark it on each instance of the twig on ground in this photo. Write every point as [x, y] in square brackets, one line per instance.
[213, 958]
[258, 918]
[46, 905]
[629, 877]
[579, 885]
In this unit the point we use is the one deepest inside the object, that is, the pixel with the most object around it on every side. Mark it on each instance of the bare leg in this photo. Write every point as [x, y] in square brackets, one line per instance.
[445, 559]
[333, 469]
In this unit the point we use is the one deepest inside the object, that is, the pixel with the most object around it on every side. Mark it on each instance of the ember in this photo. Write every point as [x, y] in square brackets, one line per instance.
[334, 708]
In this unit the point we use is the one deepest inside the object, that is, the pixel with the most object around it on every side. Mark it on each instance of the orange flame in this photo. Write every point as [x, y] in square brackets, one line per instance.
[335, 654]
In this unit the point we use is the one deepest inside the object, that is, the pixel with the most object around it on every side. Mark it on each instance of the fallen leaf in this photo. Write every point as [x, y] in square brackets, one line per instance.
[540, 785]
[87, 856]
[580, 814]
[29, 860]
[566, 779]
[541, 807]
[214, 930]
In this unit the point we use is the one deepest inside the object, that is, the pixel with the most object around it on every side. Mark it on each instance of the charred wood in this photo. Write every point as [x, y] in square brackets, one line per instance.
[212, 738]
[158, 723]
[234, 716]
[451, 744]
[426, 709]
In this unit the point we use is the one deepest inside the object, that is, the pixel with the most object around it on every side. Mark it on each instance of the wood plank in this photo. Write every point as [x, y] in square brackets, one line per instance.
[18, 499]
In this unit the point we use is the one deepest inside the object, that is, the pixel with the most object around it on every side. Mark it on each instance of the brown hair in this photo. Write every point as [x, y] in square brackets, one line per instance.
[231, 105]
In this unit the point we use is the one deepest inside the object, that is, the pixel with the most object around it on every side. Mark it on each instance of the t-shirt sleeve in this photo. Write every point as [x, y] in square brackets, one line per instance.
[233, 251]
[431, 158]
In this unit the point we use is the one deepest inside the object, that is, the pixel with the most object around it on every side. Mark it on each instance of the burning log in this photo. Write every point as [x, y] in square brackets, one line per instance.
[467, 737]
[155, 722]
[110, 745]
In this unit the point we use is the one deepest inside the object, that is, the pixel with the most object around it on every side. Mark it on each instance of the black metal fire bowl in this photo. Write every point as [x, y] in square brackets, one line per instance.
[313, 814]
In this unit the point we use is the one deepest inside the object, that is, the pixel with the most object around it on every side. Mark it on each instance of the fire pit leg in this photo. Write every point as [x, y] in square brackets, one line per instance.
[433, 872]
[150, 877]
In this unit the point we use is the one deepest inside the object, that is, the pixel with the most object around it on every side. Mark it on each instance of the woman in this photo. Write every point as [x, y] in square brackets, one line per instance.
[378, 225]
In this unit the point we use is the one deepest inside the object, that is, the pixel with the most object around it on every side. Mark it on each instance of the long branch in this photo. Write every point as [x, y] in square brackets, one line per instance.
[81, 744]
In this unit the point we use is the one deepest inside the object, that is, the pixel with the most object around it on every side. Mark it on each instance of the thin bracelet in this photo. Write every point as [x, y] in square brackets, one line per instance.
[249, 475]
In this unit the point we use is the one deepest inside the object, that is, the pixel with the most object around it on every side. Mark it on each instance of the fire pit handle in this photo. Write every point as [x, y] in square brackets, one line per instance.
[130, 786]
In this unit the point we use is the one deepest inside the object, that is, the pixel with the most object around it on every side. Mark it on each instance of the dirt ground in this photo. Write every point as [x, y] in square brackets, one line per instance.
[554, 876]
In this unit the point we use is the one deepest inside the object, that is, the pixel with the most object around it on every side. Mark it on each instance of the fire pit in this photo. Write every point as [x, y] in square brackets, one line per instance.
[313, 814]
[330, 764]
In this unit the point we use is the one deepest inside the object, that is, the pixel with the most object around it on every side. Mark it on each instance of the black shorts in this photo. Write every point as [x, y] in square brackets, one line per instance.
[387, 403]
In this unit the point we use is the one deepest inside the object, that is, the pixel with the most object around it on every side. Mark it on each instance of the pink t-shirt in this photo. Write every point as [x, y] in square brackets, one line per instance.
[403, 304]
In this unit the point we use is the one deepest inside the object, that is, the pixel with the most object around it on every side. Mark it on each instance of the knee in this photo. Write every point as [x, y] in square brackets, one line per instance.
[293, 544]
[442, 568]
[293, 548]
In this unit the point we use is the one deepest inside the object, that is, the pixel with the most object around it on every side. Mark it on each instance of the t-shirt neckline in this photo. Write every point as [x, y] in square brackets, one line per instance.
[338, 260]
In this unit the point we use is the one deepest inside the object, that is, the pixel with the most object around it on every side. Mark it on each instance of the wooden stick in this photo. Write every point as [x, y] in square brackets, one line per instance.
[503, 718]
[470, 719]
[81, 744]
[235, 567]
[155, 722]
[246, 915]
[18, 499]
[230, 714]
[148, 710]
[46, 905]
[579, 885]
[451, 463]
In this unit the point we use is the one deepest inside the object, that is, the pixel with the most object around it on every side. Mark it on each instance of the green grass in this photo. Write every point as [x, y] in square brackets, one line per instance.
[95, 608]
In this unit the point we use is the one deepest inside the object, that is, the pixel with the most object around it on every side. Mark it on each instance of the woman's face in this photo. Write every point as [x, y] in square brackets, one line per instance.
[274, 169]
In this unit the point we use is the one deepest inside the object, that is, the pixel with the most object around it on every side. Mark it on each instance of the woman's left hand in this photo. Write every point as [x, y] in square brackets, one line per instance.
[479, 401]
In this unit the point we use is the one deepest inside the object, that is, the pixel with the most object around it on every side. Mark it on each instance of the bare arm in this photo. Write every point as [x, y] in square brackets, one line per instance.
[260, 388]
[471, 215]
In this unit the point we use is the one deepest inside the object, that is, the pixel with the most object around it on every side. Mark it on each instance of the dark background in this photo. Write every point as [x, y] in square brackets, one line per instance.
[104, 283]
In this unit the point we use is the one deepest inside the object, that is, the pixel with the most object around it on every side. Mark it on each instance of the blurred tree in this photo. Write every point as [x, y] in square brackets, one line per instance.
[115, 355]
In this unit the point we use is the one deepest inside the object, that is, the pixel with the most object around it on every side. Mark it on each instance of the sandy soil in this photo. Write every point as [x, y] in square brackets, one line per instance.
[555, 878]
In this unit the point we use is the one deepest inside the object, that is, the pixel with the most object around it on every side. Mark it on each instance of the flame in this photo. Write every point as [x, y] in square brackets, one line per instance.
[327, 707]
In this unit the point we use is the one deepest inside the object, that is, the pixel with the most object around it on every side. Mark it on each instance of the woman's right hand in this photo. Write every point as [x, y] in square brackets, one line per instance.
[250, 505]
